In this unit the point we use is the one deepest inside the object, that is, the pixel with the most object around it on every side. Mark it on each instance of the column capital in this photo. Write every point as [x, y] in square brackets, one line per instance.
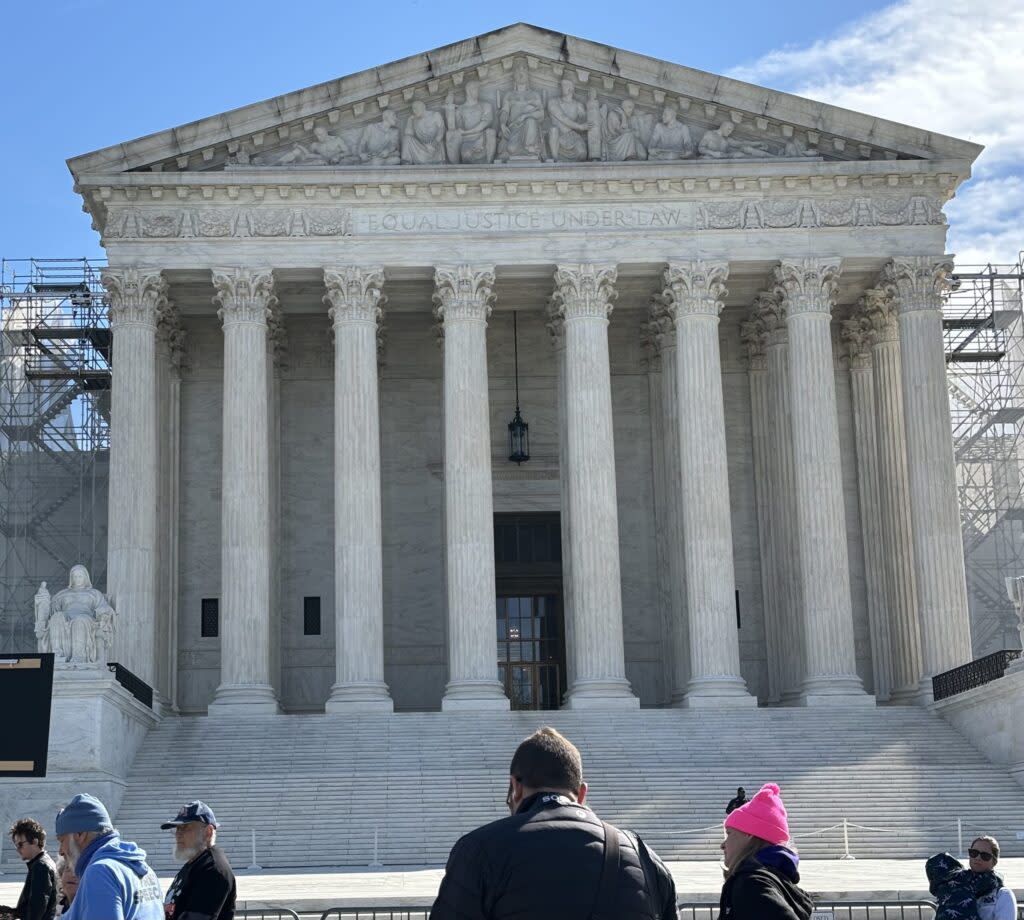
[695, 288]
[463, 292]
[170, 334]
[244, 295]
[136, 294]
[754, 336]
[277, 337]
[878, 307]
[770, 311]
[585, 289]
[807, 285]
[918, 282]
[659, 331]
[856, 335]
[354, 294]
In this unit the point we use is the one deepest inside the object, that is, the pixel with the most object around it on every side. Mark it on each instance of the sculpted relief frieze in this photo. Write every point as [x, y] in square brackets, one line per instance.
[266, 221]
[535, 113]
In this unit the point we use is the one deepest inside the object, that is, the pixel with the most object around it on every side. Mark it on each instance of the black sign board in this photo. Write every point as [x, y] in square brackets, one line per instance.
[26, 685]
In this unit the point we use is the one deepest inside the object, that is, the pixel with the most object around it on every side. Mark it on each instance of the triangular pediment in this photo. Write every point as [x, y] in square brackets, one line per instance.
[521, 95]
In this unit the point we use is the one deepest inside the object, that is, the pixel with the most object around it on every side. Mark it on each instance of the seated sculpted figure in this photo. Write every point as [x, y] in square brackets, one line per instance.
[670, 139]
[380, 143]
[519, 121]
[423, 136]
[567, 137]
[471, 137]
[718, 144]
[626, 133]
[77, 625]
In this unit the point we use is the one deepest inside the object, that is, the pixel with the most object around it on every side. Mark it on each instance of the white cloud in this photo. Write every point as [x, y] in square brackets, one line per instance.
[933, 64]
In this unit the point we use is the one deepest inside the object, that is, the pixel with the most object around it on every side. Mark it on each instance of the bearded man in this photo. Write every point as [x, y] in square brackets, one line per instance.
[204, 888]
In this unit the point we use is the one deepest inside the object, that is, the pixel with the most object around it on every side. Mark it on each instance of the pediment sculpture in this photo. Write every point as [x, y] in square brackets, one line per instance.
[76, 624]
[522, 123]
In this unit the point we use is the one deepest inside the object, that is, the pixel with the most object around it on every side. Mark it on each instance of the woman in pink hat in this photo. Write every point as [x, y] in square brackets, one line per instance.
[761, 877]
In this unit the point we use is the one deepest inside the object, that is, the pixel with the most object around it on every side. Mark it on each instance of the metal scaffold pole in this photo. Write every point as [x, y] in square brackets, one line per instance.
[55, 354]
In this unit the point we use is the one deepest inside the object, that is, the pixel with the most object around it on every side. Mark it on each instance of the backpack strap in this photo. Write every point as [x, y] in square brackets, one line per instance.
[609, 880]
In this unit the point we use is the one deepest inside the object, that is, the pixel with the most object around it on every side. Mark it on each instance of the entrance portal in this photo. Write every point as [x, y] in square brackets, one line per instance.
[531, 635]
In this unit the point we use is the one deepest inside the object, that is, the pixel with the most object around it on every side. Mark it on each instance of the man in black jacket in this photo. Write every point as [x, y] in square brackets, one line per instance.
[547, 860]
[38, 899]
[204, 888]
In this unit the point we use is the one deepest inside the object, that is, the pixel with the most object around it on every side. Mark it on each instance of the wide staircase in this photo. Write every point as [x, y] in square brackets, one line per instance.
[398, 790]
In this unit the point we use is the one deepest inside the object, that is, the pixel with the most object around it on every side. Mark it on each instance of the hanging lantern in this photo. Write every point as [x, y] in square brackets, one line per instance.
[518, 430]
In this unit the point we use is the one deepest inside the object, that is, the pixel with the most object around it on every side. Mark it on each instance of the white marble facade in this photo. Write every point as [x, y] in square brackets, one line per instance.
[723, 296]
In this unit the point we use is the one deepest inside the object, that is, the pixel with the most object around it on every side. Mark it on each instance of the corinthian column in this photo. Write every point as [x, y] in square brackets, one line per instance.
[354, 296]
[694, 293]
[856, 334]
[135, 295]
[809, 288]
[917, 283]
[894, 497]
[754, 333]
[245, 297]
[582, 302]
[463, 298]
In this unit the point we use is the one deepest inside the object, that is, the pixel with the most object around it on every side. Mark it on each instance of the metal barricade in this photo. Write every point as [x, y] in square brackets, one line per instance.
[841, 910]
[409, 912]
[267, 913]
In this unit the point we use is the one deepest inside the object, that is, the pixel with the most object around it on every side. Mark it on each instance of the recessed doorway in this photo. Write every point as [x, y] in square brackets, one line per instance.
[528, 610]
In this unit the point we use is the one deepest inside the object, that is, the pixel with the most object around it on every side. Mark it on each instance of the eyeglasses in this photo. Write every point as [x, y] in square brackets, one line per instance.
[983, 855]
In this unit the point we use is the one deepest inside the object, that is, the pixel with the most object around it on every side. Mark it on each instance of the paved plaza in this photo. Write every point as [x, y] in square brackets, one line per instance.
[312, 891]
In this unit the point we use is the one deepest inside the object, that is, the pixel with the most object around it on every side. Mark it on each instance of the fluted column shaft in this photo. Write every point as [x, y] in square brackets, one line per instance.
[808, 287]
[754, 334]
[565, 517]
[694, 292]
[938, 542]
[782, 474]
[245, 297]
[463, 297]
[894, 494]
[136, 294]
[862, 388]
[356, 302]
[582, 303]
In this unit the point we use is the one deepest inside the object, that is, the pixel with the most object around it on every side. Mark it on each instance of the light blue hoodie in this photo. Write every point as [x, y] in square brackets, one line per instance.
[116, 883]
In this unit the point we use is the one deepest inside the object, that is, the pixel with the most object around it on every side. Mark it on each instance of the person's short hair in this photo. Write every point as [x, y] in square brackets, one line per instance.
[992, 843]
[548, 760]
[30, 829]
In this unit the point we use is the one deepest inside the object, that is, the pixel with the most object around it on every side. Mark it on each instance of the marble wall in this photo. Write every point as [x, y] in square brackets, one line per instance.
[413, 526]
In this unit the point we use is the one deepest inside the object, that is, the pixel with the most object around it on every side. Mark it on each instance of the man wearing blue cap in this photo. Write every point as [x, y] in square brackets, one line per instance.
[115, 883]
[204, 888]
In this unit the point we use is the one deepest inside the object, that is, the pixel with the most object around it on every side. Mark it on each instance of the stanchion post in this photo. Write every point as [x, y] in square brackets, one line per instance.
[846, 841]
[254, 867]
[960, 838]
[376, 864]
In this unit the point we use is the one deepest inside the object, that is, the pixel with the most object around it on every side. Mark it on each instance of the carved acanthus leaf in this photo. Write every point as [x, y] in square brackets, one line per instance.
[808, 285]
[695, 288]
[136, 294]
[584, 289]
[244, 295]
[463, 292]
[918, 282]
[878, 307]
[857, 335]
[354, 294]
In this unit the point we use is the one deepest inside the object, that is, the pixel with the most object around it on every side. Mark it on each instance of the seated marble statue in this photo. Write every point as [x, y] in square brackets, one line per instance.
[626, 133]
[423, 136]
[471, 137]
[718, 144]
[567, 137]
[520, 118]
[380, 144]
[670, 139]
[77, 625]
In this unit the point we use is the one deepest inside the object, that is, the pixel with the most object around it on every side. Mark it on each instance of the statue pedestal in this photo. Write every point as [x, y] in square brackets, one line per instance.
[96, 727]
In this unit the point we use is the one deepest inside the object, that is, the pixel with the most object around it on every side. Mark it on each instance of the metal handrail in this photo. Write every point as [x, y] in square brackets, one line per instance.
[267, 913]
[975, 673]
[841, 910]
[134, 684]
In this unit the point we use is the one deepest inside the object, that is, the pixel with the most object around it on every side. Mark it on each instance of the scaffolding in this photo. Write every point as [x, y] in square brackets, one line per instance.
[55, 354]
[983, 329]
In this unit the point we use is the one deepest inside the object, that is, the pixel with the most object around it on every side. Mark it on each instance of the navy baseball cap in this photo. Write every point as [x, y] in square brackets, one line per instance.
[193, 811]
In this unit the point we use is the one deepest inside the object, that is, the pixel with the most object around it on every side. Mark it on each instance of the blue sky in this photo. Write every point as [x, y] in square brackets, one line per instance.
[77, 75]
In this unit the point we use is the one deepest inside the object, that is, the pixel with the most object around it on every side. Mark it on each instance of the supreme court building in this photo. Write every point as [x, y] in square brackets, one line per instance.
[719, 309]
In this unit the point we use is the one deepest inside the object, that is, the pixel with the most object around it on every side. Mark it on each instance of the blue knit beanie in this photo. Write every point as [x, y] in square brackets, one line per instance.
[83, 813]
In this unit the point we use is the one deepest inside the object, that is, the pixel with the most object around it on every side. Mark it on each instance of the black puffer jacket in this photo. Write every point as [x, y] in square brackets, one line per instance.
[544, 863]
[764, 887]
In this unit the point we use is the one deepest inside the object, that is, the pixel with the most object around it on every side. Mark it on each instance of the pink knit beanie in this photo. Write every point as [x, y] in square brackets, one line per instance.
[763, 816]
